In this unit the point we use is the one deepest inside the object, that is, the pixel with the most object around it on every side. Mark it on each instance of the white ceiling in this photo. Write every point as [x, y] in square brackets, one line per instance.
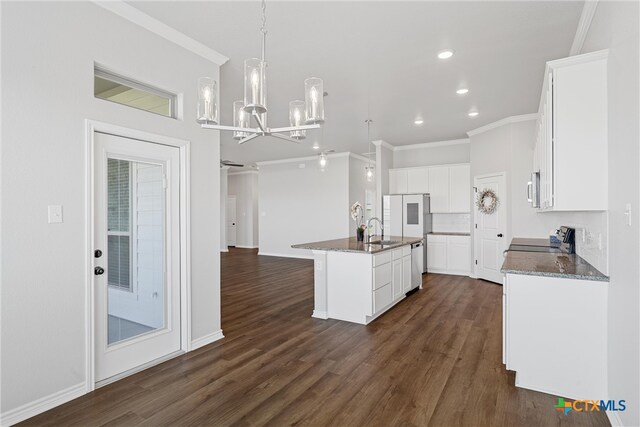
[381, 57]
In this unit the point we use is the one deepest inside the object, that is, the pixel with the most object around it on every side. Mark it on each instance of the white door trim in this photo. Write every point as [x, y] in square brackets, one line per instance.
[503, 202]
[92, 126]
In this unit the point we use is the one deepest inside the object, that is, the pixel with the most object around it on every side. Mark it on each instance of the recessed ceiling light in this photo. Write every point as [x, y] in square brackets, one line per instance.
[445, 54]
[316, 146]
[462, 91]
[473, 114]
[418, 121]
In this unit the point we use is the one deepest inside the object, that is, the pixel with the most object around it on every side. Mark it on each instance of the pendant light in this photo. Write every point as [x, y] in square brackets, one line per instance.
[303, 115]
[369, 169]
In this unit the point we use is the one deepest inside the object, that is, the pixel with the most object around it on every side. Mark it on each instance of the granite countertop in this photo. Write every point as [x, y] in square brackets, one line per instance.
[350, 244]
[449, 233]
[569, 266]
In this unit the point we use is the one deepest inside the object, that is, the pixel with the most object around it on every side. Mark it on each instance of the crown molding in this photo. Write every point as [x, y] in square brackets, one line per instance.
[305, 159]
[382, 143]
[431, 144]
[588, 10]
[145, 21]
[358, 156]
[505, 121]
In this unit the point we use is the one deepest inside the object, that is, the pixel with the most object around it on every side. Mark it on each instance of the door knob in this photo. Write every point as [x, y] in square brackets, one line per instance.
[97, 253]
[98, 271]
[500, 235]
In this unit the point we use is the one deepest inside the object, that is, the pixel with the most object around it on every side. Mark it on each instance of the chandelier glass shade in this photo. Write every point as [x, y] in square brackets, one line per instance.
[250, 115]
[207, 101]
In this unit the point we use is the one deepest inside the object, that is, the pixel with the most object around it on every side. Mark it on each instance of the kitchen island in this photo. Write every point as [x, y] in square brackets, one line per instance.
[356, 281]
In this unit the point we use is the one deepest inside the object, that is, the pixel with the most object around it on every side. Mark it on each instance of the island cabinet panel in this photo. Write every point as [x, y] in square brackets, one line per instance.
[406, 273]
[382, 275]
[397, 278]
[382, 298]
[555, 333]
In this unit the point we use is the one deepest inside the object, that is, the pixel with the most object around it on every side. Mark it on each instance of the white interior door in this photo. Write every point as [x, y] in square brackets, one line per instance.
[137, 271]
[490, 230]
[231, 220]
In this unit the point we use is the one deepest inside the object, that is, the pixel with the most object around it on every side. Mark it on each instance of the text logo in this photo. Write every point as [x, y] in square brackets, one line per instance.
[589, 405]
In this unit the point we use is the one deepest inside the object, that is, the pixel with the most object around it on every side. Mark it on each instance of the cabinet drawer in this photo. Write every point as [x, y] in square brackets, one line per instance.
[381, 275]
[436, 238]
[406, 250]
[382, 297]
[459, 240]
[396, 253]
[381, 258]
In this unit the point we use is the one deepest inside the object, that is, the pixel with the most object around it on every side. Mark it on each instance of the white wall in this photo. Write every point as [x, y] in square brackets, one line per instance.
[434, 153]
[244, 185]
[298, 203]
[615, 26]
[224, 183]
[48, 54]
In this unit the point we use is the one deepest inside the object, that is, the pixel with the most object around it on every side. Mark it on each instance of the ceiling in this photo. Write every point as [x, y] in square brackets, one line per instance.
[379, 60]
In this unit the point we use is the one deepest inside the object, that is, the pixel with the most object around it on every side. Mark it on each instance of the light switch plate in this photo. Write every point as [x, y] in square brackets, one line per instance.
[55, 214]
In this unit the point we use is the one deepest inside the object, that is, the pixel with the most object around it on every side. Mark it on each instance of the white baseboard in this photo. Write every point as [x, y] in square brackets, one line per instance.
[452, 273]
[41, 405]
[207, 339]
[246, 247]
[224, 250]
[286, 255]
[614, 419]
[320, 314]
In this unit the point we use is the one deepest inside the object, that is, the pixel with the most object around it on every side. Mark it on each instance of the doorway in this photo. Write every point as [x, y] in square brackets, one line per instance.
[137, 278]
[231, 221]
[490, 229]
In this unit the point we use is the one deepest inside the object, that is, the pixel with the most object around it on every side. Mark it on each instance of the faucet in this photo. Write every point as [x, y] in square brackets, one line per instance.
[369, 228]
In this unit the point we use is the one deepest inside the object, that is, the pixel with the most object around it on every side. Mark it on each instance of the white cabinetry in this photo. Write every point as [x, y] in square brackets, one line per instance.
[439, 189]
[571, 144]
[544, 357]
[448, 254]
[418, 180]
[459, 188]
[398, 181]
[448, 185]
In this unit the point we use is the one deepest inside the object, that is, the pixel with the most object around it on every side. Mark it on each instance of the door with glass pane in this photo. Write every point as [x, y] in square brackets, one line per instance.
[137, 254]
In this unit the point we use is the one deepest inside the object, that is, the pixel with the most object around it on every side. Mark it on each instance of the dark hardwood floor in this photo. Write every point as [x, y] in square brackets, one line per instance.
[434, 359]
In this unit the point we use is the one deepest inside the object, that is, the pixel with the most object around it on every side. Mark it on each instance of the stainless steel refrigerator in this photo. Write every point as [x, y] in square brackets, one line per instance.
[408, 215]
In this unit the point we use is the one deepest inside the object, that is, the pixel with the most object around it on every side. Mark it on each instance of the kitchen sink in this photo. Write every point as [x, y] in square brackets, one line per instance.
[385, 242]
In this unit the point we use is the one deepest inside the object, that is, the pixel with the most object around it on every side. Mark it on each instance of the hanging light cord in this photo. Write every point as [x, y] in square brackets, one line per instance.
[263, 29]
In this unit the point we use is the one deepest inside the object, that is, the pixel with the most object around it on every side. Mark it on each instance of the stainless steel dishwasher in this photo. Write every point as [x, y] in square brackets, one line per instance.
[417, 261]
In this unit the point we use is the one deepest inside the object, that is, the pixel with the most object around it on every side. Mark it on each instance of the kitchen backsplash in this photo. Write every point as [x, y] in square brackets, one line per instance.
[452, 222]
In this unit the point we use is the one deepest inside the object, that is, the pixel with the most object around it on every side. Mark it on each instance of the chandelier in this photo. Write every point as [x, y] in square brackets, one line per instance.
[303, 115]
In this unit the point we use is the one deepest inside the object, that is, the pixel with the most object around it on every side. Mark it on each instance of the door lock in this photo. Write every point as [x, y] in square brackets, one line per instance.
[97, 253]
[98, 271]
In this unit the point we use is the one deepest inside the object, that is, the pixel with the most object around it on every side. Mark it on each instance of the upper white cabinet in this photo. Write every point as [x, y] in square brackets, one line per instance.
[571, 143]
[460, 188]
[439, 188]
[418, 180]
[398, 181]
[448, 185]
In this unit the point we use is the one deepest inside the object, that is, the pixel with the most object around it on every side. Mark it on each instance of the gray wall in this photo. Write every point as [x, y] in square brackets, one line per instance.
[615, 26]
[48, 54]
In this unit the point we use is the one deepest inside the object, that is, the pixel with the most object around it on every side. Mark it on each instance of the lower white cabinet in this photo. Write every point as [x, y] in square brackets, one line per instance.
[555, 334]
[448, 254]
